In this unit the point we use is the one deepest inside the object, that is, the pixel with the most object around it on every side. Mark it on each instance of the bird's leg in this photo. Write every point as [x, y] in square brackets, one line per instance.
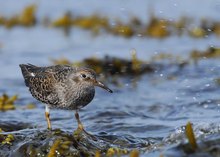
[80, 125]
[47, 115]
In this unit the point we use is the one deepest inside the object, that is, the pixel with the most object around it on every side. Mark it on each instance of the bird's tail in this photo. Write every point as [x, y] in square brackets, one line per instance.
[27, 71]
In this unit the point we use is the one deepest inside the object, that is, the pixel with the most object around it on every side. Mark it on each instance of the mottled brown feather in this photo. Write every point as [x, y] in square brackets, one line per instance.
[42, 84]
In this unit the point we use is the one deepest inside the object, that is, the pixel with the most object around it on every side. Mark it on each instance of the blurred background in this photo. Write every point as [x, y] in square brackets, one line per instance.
[161, 58]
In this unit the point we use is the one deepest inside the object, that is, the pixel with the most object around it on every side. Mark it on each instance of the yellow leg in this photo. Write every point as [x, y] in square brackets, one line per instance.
[80, 126]
[47, 115]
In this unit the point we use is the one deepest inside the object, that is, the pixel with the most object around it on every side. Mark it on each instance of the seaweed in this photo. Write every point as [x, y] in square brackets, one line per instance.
[6, 139]
[7, 103]
[112, 65]
[217, 81]
[156, 27]
[191, 137]
[27, 18]
[211, 52]
[55, 143]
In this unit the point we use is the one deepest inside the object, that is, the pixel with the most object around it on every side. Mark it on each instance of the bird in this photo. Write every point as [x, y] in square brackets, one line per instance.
[61, 87]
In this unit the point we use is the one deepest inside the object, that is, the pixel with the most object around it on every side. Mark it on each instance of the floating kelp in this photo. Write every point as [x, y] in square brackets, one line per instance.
[206, 27]
[197, 32]
[211, 52]
[217, 81]
[7, 103]
[216, 28]
[157, 27]
[134, 153]
[116, 152]
[6, 139]
[93, 22]
[207, 146]
[62, 61]
[122, 30]
[65, 21]
[112, 65]
[191, 137]
[26, 18]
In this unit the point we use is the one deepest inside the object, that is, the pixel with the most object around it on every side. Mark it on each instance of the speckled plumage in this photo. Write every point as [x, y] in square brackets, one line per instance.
[58, 86]
[61, 86]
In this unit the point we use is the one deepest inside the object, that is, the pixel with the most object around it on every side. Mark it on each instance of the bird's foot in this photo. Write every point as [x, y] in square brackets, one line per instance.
[81, 129]
[50, 129]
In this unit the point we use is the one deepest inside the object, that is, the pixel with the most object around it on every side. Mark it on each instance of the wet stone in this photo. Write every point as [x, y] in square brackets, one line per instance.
[35, 142]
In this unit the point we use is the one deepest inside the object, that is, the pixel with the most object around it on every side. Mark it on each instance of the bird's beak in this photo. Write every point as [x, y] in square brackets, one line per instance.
[100, 84]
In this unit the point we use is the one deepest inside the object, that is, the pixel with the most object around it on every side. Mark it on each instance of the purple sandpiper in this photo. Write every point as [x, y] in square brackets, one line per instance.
[62, 87]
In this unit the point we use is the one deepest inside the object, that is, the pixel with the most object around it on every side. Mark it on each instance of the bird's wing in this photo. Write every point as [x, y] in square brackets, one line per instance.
[42, 81]
[42, 88]
[57, 72]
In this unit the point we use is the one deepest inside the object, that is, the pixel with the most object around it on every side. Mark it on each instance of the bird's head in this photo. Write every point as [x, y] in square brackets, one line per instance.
[88, 77]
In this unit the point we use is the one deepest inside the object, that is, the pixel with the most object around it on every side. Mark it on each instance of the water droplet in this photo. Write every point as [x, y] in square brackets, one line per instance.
[206, 106]
[139, 35]
[207, 85]
[170, 19]
[209, 101]
[113, 23]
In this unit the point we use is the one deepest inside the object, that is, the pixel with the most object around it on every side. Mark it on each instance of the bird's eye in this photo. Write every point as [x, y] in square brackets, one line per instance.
[83, 75]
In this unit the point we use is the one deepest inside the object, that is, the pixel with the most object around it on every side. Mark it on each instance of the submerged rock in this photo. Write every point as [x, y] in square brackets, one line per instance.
[35, 142]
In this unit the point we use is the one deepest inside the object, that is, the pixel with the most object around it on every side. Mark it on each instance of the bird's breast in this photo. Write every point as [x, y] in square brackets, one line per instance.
[78, 98]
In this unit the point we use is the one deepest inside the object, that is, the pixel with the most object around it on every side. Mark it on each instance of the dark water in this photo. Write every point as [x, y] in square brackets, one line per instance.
[144, 112]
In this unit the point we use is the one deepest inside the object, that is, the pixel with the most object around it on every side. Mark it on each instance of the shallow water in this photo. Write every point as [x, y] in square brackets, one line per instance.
[144, 112]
